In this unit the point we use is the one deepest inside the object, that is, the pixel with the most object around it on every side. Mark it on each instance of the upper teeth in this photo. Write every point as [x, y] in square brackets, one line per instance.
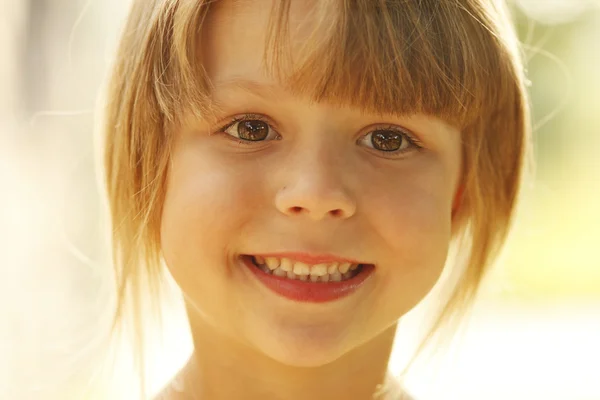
[300, 268]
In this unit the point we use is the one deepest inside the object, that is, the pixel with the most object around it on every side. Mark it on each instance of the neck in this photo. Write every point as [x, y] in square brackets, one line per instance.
[222, 368]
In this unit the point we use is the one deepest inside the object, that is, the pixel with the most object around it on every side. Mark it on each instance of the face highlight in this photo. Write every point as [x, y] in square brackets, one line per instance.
[278, 173]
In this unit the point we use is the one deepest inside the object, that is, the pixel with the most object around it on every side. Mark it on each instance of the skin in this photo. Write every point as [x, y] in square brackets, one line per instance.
[318, 188]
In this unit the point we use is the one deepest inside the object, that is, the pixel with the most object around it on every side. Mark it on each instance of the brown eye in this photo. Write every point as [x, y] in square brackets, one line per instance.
[386, 140]
[252, 130]
[392, 141]
[249, 129]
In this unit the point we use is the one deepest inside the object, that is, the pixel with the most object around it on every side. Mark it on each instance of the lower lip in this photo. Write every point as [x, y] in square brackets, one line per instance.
[309, 292]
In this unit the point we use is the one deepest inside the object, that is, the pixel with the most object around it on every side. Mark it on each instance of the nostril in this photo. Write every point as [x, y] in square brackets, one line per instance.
[299, 210]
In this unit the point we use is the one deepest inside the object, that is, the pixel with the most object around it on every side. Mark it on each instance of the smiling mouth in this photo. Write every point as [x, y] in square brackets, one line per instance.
[299, 271]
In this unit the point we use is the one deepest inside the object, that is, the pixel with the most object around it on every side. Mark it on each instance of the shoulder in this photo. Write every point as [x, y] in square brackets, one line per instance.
[396, 390]
[406, 396]
[173, 391]
[168, 393]
[178, 388]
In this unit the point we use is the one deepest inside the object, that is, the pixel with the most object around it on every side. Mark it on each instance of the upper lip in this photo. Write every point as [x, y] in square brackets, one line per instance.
[311, 258]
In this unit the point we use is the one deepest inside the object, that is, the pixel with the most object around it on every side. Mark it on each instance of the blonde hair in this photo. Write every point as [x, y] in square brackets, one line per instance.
[455, 59]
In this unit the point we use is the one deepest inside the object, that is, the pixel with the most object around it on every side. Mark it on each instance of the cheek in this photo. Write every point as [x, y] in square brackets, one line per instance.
[416, 219]
[413, 204]
[206, 204]
[411, 216]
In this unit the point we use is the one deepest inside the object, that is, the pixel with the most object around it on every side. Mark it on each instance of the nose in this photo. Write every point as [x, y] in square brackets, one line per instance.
[315, 190]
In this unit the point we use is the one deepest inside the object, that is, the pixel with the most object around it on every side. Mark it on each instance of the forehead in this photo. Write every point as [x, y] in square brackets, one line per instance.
[235, 35]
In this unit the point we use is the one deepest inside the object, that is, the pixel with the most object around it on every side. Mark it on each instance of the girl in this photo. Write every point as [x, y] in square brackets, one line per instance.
[302, 169]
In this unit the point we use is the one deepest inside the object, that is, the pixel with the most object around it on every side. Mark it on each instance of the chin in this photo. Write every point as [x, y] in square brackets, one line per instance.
[293, 356]
[302, 346]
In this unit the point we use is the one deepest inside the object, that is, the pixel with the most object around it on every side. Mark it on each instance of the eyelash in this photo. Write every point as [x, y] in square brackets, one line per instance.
[414, 143]
[242, 118]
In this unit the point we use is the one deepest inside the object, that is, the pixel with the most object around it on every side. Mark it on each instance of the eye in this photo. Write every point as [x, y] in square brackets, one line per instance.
[250, 128]
[390, 140]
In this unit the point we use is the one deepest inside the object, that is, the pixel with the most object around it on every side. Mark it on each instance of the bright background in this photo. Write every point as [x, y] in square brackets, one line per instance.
[534, 333]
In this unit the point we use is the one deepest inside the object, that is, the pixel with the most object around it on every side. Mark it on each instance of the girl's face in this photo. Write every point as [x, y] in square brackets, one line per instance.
[316, 179]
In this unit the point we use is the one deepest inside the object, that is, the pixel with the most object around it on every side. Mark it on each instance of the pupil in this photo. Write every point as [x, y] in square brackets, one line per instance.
[253, 130]
[386, 140]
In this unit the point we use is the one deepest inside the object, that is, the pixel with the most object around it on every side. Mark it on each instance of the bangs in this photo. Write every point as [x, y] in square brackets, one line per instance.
[390, 57]
[399, 57]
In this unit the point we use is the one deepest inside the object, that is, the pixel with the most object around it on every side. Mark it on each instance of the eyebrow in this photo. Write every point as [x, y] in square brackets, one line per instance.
[251, 87]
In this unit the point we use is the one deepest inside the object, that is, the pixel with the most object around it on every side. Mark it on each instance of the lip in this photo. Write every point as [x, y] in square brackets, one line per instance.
[306, 291]
[310, 258]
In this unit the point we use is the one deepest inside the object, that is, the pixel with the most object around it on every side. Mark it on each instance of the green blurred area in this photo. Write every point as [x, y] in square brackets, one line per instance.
[554, 250]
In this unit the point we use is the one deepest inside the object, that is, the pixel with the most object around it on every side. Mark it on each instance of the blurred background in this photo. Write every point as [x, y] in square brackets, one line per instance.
[534, 333]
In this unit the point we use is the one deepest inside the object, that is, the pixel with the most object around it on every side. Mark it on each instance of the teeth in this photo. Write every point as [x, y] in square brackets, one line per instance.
[335, 277]
[319, 270]
[301, 269]
[272, 263]
[286, 265]
[324, 272]
[332, 268]
[344, 267]
[266, 269]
